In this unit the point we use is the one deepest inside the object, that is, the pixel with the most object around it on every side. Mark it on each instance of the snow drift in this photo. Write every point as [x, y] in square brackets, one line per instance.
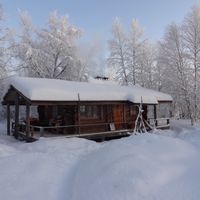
[146, 166]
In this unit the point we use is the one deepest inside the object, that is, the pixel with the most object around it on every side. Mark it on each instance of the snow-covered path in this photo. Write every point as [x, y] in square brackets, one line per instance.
[40, 170]
[157, 166]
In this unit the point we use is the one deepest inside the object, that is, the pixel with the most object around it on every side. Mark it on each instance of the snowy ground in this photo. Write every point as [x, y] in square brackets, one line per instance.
[162, 165]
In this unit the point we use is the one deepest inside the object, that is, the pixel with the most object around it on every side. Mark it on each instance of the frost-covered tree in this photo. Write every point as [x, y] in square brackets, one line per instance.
[179, 60]
[147, 65]
[5, 35]
[5, 54]
[191, 35]
[131, 55]
[135, 53]
[118, 52]
[174, 65]
[49, 52]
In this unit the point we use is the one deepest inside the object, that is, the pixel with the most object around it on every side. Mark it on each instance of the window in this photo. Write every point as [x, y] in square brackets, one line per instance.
[90, 111]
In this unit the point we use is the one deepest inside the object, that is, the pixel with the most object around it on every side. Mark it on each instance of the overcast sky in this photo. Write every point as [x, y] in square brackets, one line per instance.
[95, 16]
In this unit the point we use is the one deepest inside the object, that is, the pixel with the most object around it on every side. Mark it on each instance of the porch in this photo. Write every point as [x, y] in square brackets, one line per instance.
[59, 131]
[114, 120]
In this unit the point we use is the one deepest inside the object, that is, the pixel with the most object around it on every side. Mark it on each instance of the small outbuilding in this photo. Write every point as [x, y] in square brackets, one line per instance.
[47, 107]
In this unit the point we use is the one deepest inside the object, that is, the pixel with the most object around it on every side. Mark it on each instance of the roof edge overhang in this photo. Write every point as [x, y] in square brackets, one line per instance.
[22, 97]
[24, 100]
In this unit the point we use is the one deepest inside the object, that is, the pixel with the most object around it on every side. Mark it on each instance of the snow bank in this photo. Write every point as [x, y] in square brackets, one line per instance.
[61, 90]
[41, 170]
[140, 167]
[163, 166]
[3, 127]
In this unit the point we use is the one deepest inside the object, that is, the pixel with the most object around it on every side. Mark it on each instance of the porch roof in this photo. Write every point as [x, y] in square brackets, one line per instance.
[42, 89]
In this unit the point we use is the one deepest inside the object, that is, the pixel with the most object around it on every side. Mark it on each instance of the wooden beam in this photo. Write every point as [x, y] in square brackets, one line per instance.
[16, 116]
[27, 120]
[8, 119]
[75, 102]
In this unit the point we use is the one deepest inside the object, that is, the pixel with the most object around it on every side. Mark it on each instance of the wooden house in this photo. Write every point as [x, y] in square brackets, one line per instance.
[58, 107]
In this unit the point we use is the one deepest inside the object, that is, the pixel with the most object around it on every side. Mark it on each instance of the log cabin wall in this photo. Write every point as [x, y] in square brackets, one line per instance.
[93, 117]
[118, 116]
[123, 115]
[131, 112]
[93, 114]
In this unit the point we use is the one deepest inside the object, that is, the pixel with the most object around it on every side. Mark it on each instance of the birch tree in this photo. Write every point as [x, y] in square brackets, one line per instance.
[130, 55]
[49, 52]
[147, 65]
[5, 54]
[135, 52]
[191, 34]
[176, 76]
[118, 52]
[5, 35]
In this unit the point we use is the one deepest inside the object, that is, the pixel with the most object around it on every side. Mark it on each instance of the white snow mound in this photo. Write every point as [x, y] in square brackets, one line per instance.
[143, 167]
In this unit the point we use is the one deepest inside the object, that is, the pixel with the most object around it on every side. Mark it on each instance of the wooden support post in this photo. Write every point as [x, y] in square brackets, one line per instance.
[16, 116]
[8, 119]
[107, 117]
[27, 120]
[78, 114]
[155, 115]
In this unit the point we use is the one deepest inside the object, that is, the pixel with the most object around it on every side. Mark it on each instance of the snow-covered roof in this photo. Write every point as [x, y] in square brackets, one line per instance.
[41, 89]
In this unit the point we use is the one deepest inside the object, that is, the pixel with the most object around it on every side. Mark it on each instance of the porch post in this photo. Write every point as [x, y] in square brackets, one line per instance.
[78, 114]
[27, 120]
[8, 119]
[16, 116]
[155, 115]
